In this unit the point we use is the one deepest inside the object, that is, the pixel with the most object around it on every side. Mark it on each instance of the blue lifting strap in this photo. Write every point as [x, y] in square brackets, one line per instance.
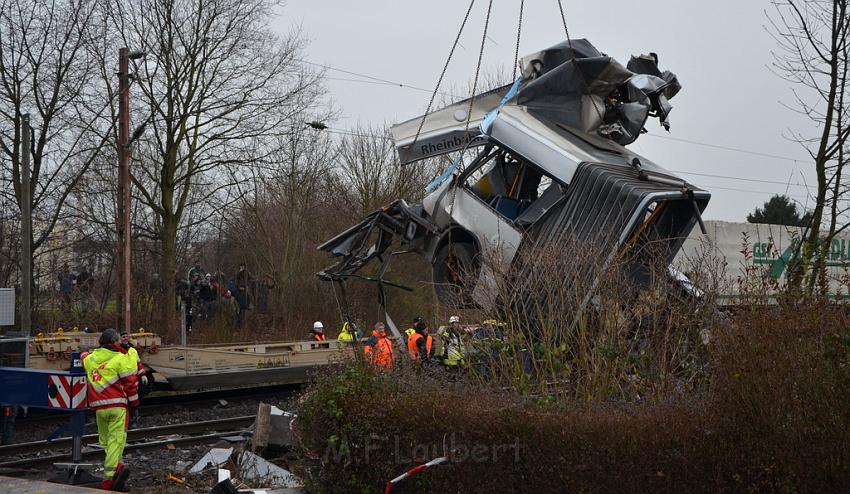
[491, 116]
[485, 126]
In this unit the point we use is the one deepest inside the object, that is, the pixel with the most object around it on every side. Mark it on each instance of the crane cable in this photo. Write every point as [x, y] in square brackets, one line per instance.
[443, 73]
[478, 67]
[518, 33]
[575, 63]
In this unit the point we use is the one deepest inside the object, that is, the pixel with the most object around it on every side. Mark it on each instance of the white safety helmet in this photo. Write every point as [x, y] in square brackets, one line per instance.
[454, 319]
[318, 326]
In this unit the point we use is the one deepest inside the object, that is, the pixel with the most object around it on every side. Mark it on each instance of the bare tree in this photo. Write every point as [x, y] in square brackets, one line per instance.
[218, 87]
[369, 174]
[9, 238]
[277, 224]
[813, 54]
[47, 70]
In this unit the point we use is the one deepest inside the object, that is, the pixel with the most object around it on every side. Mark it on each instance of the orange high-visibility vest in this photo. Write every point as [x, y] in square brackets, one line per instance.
[382, 353]
[319, 337]
[413, 348]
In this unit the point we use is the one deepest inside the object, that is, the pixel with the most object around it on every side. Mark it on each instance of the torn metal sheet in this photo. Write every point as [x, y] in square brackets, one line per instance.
[575, 85]
[570, 84]
[549, 163]
[213, 458]
[257, 469]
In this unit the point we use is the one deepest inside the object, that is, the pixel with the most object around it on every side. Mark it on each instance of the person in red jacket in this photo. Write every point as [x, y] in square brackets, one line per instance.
[112, 392]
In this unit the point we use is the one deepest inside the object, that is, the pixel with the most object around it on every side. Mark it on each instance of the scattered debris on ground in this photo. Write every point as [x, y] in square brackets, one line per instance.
[176, 468]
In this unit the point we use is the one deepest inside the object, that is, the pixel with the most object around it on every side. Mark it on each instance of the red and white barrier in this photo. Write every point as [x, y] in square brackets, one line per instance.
[414, 471]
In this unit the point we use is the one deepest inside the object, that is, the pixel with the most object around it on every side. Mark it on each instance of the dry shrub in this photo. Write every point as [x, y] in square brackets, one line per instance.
[369, 428]
[584, 322]
[780, 386]
[622, 394]
[775, 418]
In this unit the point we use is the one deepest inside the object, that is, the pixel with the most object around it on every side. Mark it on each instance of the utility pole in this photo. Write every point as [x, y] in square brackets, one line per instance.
[26, 227]
[123, 220]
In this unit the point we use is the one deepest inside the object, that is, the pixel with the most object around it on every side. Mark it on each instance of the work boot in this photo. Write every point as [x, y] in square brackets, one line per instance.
[119, 484]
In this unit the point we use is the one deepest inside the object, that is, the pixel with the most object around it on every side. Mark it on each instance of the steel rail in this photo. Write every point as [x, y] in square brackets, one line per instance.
[132, 434]
[153, 405]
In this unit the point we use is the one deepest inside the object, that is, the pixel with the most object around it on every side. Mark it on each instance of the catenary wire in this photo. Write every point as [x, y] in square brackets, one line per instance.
[382, 81]
[683, 172]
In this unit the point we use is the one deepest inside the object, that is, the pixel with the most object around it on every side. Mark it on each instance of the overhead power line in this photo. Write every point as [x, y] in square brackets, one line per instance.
[742, 179]
[709, 175]
[728, 148]
[374, 79]
[357, 134]
[750, 191]
[387, 82]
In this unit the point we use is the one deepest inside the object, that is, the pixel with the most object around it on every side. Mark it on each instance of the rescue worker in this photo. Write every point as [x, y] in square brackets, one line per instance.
[141, 376]
[453, 347]
[380, 353]
[420, 345]
[318, 332]
[348, 333]
[409, 331]
[370, 344]
[131, 350]
[112, 392]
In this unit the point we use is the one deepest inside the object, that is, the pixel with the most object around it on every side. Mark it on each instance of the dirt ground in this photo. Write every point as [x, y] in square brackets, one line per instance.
[154, 471]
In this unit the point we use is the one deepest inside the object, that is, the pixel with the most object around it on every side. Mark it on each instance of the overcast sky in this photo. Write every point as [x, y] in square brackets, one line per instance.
[719, 50]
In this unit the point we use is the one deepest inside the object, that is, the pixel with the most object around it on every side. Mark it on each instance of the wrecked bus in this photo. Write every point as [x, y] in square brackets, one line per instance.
[541, 160]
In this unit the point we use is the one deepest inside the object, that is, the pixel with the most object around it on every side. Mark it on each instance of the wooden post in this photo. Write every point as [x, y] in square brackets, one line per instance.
[123, 219]
[262, 427]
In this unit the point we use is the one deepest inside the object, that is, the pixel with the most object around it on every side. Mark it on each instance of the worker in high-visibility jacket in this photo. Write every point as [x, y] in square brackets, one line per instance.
[141, 375]
[420, 345]
[318, 332]
[348, 333]
[453, 344]
[369, 344]
[409, 331]
[380, 352]
[112, 392]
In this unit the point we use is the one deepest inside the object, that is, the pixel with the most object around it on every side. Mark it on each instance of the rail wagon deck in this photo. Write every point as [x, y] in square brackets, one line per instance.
[201, 366]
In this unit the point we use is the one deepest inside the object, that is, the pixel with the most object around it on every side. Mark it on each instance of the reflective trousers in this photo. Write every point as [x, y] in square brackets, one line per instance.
[112, 435]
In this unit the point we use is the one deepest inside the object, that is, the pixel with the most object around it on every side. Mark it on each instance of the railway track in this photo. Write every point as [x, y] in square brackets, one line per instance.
[137, 439]
[167, 402]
